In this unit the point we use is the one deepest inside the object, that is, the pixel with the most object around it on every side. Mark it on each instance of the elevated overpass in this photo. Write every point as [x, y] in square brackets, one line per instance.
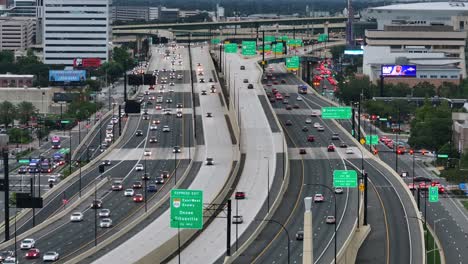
[234, 24]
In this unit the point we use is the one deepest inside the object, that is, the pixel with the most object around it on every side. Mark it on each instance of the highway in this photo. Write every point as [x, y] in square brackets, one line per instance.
[315, 167]
[390, 192]
[217, 143]
[124, 158]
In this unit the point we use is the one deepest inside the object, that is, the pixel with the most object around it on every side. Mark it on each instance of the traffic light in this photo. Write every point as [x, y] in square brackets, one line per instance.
[411, 152]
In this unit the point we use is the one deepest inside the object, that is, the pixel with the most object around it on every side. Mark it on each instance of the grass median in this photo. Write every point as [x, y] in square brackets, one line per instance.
[432, 252]
[465, 204]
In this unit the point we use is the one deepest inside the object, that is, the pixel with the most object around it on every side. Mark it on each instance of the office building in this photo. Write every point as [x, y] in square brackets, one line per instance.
[168, 14]
[75, 29]
[436, 13]
[460, 130]
[438, 53]
[130, 13]
[25, 8]
[153, 13]
[16, 80]
[16, 33]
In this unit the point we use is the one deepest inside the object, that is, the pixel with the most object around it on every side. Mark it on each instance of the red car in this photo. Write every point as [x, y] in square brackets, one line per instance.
[331, 148]
[310, 138]
[240, 195]
[138, 198]
[423, 185]
[151, 87]
[33, 253]
[274, 90]
[440, 186]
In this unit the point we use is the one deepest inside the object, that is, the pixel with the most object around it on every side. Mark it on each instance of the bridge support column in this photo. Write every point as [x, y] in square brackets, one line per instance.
[325, 27]
[308, 249]
[139, 44]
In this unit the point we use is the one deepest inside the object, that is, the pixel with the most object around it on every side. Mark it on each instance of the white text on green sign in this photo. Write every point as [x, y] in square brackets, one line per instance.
[345, 178]
[433, 194]
[372, 140]
[187, 209]
[336, 112]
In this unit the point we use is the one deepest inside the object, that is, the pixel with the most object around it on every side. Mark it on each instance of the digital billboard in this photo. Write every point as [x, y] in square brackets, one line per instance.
[67, 76]
[87, 62]
[354, 52]
[398, 70]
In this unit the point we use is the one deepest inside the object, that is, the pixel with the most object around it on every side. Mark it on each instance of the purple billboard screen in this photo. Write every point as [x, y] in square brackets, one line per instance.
[398, 70]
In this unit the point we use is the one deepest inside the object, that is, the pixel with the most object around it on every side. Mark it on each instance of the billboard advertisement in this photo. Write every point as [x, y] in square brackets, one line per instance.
[87, 62]
[67, 76]
[398, 70]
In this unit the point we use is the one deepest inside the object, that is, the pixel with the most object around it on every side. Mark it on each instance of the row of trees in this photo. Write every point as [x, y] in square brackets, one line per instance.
[21, 112]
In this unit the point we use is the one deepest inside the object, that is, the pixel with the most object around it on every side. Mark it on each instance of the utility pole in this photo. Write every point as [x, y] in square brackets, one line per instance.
[6, 186]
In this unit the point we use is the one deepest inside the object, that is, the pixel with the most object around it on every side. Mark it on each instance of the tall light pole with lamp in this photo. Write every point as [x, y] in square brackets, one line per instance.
[268, 182]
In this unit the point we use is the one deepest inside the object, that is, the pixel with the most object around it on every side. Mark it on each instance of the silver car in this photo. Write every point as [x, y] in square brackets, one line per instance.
[104, 213]
[105, 223]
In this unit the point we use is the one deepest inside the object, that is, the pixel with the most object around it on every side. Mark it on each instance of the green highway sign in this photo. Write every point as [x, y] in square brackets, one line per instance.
[249, 48]
[294, 42]
[383, 119]
[230, 48]
[292, 63]
[270, 38]
[372, 140]
[65, 121]
[64, 151]
[215, 41]
[442, 156]
[278, 48]
[23, 161]
[186, 209]
[345, 178]
[267, 48]
[433, 194]
[336, 112]
[323, 37]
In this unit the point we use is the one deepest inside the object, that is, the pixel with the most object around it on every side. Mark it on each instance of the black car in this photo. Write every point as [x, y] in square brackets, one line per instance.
[210, 80]
[179, 106]
[203, 92]
[152, 188]
[250, 86]
[96, 204]
[242, 67]
[106, 162]
[165, 174]
[145, 177]
[305, 129]
[139, 133]
[246, 81]
[288, 123]
[23, 170]
[153, 140]
[202, 80]
[137, 185]
[335, 136]
[343, 145]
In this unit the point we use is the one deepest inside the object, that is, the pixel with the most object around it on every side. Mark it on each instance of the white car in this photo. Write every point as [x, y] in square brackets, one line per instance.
[320, 128]
[108, 139]
[147, 152]
[76, 217]
[318, 198]
[316, 125]
[308, 121]
[349, 151]
[179, 115]
[299, 98]
[105, 223]
[50, 256]
[316, 113]
[129, 192]
[28, 243]
[166, 129]
[104, 213]
[139, 167]
[52, 179]
[10, 260]
[153, 127]
[237, 219]
[338, 190]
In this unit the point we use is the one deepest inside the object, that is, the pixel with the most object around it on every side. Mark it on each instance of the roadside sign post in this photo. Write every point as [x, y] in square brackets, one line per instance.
[345, 178]
[442, 156]
[433, 194]
[230, 48]
[23, 161]
[186, 209]
[336, 112]
[249, 48]
[292, 63]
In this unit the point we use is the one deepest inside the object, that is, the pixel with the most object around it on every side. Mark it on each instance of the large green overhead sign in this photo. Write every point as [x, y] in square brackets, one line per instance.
[336, 112]
[267, 48]
[294, 42]
[278, 48]
[323, 37]
[249, 48]
[372, 140]
[345, 178]
[270, 38]
[186, 209]
[215, 41]
[230, 48]
[292, 63]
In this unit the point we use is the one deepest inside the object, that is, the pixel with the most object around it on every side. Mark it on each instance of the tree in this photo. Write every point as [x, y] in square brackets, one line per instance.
[112, 69]
[337, 51]
[7, 113]
[122, 57]
[25, 110]
[424, 89]
[18, 135]
[350, 91]
[432, 126]
[7, 56]
[449, 90]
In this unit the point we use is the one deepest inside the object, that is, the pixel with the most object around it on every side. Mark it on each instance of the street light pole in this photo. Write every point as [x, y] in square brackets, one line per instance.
[285, 230]
[268, 183]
